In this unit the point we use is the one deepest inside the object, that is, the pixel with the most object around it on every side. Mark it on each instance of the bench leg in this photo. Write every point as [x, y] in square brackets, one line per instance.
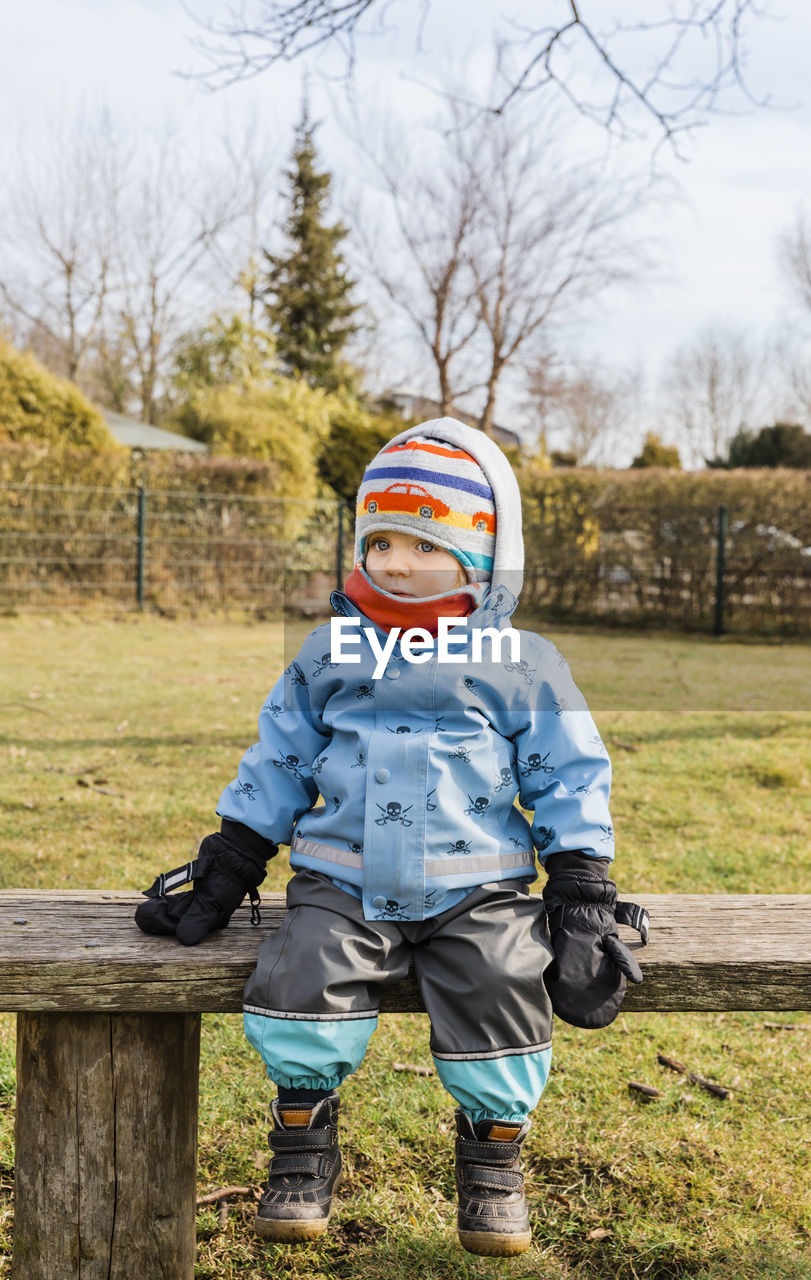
[106, 1146]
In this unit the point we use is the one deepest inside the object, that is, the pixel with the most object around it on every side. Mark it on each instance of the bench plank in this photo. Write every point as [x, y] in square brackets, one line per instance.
[83, 952]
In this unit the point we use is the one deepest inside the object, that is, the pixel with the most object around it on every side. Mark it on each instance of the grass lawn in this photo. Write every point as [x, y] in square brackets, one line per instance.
[116, 738]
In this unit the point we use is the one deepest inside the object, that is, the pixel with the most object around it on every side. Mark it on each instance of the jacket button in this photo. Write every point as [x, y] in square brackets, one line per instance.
[382, 775]
[394, 674]
[378, 901]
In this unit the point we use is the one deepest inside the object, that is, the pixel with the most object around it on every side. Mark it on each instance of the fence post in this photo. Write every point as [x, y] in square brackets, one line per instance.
[720, 560]
[141, 554]
[339, 549]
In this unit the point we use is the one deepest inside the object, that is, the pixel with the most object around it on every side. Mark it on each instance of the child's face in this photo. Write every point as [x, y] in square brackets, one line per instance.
[407, 566]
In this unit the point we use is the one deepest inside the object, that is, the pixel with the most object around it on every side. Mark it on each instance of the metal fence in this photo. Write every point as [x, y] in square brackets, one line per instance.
[696, 569]
[172, 550]
[167, 550]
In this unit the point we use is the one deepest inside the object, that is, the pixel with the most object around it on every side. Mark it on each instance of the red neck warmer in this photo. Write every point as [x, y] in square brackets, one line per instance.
[406, 611]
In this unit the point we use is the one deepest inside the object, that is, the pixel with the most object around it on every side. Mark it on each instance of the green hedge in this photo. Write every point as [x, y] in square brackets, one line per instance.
[640, 546]
[30, 464]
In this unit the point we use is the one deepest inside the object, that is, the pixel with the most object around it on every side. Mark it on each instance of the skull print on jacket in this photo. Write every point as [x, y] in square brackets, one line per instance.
[431, 814]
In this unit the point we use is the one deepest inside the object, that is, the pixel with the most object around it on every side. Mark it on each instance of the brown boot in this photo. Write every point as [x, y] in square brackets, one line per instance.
[304, 1172]
[493, 1216]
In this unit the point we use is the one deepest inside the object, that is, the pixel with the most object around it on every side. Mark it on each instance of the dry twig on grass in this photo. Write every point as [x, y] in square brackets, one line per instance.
[673, 1064]
[717, 1090]
[225, 1193]
[94, 786]
[26, 706]
[647, 1090]
[412, 1066]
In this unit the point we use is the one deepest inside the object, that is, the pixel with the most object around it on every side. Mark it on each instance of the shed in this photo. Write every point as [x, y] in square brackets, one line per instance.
[141, 435]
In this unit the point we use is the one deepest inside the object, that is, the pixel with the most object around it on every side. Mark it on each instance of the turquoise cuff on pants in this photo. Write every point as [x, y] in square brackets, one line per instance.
[304, 1053]
[503, 1088]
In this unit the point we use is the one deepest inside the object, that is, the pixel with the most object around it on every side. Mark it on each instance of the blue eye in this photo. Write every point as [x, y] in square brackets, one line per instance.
[426, 546]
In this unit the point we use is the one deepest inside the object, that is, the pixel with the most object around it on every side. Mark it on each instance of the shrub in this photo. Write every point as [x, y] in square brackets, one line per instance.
[655, 453]
[37, 406]
[281, 423]
[354, 438]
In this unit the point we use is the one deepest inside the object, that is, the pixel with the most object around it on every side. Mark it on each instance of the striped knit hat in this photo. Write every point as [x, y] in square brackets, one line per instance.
[436, 490]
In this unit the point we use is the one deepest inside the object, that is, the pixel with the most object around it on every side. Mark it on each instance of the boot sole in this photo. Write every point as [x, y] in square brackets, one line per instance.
[495, 1244]
[294, 1230]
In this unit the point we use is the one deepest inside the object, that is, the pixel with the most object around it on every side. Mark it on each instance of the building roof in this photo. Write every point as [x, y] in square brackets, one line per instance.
[140, 435]
[415, 404]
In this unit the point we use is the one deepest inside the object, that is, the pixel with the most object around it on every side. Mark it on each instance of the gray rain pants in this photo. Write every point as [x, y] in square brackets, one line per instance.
[312, 1003]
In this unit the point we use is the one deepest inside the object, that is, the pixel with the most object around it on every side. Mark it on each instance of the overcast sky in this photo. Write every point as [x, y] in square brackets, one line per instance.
[746, 175]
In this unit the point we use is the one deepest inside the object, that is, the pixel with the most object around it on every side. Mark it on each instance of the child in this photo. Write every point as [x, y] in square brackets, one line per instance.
[417, 854]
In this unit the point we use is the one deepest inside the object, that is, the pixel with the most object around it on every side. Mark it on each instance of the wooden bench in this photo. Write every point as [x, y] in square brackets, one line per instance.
[108, 1053]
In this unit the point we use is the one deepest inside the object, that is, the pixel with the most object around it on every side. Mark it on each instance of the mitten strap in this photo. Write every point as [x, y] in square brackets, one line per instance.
[168, 880]
[637, 917]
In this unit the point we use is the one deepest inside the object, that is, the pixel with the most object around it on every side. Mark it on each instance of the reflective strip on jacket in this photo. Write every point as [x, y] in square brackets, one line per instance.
[418, 770]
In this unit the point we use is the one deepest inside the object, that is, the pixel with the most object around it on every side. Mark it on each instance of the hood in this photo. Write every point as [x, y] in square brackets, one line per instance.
[508, 558]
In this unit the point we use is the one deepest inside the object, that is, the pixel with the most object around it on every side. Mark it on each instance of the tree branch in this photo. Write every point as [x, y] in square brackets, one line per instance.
[251, 38]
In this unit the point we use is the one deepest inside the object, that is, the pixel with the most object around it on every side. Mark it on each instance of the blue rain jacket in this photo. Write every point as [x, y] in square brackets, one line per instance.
[418, 770]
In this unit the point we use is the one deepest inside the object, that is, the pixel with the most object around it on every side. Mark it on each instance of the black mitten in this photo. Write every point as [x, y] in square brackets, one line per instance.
[587, 980]
[229, 864]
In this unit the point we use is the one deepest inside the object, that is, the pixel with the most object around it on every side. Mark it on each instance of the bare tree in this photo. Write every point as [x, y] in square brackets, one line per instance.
[551, 235]
[417, 247]
[794, 358]
[544, 387]
[792, 351]
[714, 386]
[619, 71]
[59, 238]
[253, 156]
[177, 214]
[109, 251]
[794, 256]
[494, 237]
[580, 408]
[590, 413]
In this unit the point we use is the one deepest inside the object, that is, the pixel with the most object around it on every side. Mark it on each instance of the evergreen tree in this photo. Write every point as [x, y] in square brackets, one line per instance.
[785, 444]
[308, 291]
[354, 437]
